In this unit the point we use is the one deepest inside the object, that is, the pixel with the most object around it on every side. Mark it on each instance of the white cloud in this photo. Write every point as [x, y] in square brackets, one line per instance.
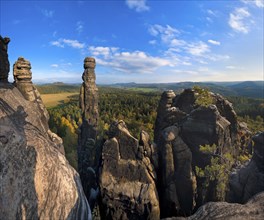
[138, 5]
[79, 27]
[237, 20]
[102, 51]
[54, 65]
[257, 3]
[152, 42]
[167, 34]
[71, 43]
[211, 12]
[234, 68]
[57, 44]
[214, 42]
[198, 49]
[47, 13]
[137, 62]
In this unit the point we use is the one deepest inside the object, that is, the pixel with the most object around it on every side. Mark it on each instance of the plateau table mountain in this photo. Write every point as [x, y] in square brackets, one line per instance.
[37, 181]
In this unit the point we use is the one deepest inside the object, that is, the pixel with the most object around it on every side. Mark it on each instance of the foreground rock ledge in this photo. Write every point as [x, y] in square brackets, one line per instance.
[229, 211]
[37, 181]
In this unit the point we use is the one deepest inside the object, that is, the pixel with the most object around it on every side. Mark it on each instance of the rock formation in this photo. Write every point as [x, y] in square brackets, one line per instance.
[22, 76]
[4, 63]
[37, 181]
[182, 126]
[249, 180]
[127, 177]
[88, 130]
[253, 209]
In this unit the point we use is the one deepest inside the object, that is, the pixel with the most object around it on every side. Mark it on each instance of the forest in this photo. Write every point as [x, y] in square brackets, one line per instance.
[137, 108]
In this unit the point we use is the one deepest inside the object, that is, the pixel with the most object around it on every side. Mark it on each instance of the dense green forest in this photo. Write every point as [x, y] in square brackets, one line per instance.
[138, 109]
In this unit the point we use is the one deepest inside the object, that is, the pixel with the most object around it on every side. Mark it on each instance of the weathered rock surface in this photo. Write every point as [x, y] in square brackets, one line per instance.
[127, 177]
[253, 209]
[86, 141]
[249, 180]
[22, 76]
[4, 63]
[36, 179]
[181, 127]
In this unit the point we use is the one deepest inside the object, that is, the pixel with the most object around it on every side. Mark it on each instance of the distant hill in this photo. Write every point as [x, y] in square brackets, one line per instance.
[58, 87]
[250, 89]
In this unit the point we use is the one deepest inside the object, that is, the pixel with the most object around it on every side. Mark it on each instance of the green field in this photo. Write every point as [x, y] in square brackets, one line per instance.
[52, 100]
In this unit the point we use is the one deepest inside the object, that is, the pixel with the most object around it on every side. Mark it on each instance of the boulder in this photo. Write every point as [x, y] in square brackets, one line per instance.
[127, 177]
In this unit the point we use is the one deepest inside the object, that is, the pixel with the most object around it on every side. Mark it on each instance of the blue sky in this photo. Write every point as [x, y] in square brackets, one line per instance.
[141, 41]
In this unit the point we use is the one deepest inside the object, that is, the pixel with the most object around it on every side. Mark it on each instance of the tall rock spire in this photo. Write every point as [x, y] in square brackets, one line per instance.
[4, 63]
[88, 130]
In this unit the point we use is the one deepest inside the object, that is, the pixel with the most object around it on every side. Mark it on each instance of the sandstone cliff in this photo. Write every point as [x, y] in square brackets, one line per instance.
[127, 177]
[184, 123]
[249, 180]
[37, 181]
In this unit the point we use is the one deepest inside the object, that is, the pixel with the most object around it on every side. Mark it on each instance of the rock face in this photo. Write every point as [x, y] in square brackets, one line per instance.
[181, 127]
[4, 63]
[127, 177]
[22, 76]
[88, 130]
[37, 181]
[249, 180]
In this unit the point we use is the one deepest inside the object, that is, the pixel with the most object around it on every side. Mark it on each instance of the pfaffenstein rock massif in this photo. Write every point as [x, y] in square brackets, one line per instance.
[190, 170]
[37, 181]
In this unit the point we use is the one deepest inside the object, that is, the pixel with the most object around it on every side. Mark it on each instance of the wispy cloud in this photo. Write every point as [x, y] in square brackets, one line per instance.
[152, 42]
[47, 13]
[214, 42]
[54, 65]
[102, 51]
[211, 12]
[234, 68]
[198, 49]
[257, 3]
[68, 42]
[137, 5]
[237, 20]
[167, 34]
[128, 62]
[79, 27]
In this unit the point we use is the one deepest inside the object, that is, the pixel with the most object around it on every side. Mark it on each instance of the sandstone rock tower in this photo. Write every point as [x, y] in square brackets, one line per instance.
[88, 131]
[4, 63]
[22, 76]
[37, 181]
